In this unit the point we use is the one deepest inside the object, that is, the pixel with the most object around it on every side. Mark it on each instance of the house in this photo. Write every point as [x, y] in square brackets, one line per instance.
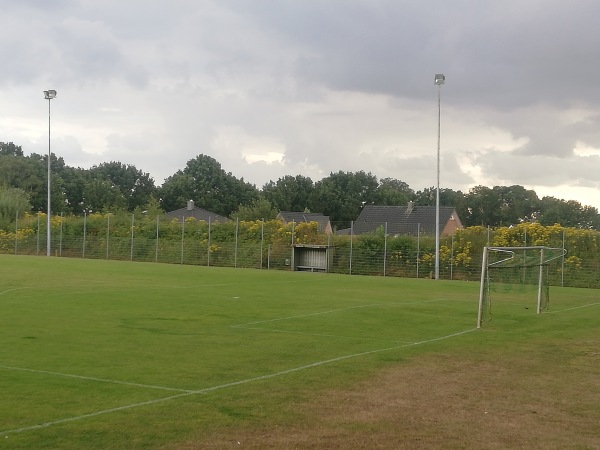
[323, 223]
[406, 220]
[197, 213]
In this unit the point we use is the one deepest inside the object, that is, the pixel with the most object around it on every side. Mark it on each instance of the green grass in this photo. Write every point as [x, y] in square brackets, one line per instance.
[105, 354]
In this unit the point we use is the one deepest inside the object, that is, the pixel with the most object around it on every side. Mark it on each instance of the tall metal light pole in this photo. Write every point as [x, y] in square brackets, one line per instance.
[48, 95]
[438, 80]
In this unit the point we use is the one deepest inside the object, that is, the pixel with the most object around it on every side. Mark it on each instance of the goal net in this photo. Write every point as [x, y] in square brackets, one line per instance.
[520, 271]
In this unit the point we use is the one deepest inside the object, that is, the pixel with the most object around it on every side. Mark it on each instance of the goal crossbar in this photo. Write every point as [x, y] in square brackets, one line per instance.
[546, 254]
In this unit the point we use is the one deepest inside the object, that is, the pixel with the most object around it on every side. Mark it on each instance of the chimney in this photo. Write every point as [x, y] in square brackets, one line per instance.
[410, 207]
[190, 205]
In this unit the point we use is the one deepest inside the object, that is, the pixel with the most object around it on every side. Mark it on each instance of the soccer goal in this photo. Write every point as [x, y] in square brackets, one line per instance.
[523, 269]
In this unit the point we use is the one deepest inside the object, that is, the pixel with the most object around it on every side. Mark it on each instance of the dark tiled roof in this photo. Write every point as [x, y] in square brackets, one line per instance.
[196, 213]
[297, 217]
[401, 219]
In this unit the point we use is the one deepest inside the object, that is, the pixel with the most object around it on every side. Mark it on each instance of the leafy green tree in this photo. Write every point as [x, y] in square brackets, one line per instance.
[448, 197]
[500, 206]
[392, 192]
[204, 181]
[102, 195]
[136, 186]
[568, 214]
[12, 201]
[26, 174]
[483, 207]
[259, 209]
[10, 149]
[342, 195]
[289, 193]
[74, 182]
[518, 204]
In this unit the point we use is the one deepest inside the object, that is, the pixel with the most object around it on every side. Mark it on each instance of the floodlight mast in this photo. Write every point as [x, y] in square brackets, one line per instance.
[48, 95]
[438, 81]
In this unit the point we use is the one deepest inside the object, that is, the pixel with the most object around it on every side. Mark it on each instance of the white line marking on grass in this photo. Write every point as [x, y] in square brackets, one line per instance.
[337, 336]
[234, 383]
[94, 414]
[305, 315]
[11, 290]
[331, 311]
[570, 309]
[81, 377]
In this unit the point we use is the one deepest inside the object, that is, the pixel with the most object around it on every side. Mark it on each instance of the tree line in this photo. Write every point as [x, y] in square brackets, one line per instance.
[114, 186]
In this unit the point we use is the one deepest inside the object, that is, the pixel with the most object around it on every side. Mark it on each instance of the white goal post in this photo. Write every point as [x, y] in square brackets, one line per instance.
[514, 257]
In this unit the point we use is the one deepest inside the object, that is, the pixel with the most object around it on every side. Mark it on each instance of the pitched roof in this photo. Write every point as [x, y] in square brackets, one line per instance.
[297, 217]
[196, 213]
[401, 219]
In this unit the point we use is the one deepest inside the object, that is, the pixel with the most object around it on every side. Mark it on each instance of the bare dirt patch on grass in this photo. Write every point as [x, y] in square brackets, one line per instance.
[537, 401]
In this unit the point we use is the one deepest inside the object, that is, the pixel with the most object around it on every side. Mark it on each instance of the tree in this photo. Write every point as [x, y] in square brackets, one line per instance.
[136, 186]
[568, 214]
[26, 174]
[12, 201]
[10, 149]
[74, 183]
[517, 204]
[392, 192]
[204, 181]
[259, 209]
[289, 193]
[102, 195]
[500, 206]
[342, 195]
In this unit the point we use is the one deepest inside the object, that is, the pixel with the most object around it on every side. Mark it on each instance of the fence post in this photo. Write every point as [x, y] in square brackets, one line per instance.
[452, 256]
[262, 242]
[385, 248]
[37, 249]
[182, 236]
[418, 246]
[562, 270]
[237, 224]
[156, 247]
[84, 233]
[132, 223]
[293, 230]
[107, 233]
[208, 247]
[16, 231]
[60, 241]
[351, 236]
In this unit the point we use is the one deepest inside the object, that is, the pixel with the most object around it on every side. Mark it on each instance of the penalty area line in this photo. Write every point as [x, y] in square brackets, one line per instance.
[235, 383]
[102, 380]
[571, 309]
[331, 311]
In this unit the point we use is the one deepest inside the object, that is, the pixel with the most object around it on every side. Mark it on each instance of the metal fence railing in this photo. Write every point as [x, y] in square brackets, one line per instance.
[377, 253]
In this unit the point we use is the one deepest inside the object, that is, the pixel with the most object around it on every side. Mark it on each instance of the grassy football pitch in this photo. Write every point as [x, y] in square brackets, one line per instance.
[118, 355]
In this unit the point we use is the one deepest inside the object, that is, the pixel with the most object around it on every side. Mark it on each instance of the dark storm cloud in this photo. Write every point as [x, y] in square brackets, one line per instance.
[313, 87]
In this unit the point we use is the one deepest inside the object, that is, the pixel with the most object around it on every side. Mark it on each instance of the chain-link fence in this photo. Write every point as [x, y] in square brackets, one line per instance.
[268, 245]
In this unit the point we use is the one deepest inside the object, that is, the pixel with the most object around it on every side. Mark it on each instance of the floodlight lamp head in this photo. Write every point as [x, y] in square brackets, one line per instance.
[439, 79]
[49, 95]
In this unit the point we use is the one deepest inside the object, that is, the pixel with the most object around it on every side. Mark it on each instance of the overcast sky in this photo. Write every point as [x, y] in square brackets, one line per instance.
[286, 87]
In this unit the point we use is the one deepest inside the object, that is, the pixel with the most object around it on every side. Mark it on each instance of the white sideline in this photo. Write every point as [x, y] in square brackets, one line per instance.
[570, 309]
[103, 380]
[335, 336]
[13, 289]
[331, 311]
[234, 383]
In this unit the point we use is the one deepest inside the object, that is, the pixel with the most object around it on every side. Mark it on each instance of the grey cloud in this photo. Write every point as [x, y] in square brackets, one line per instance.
[340, 85]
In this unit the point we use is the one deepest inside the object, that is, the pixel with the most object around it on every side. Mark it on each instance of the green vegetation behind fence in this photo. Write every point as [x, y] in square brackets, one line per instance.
[267, 244]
